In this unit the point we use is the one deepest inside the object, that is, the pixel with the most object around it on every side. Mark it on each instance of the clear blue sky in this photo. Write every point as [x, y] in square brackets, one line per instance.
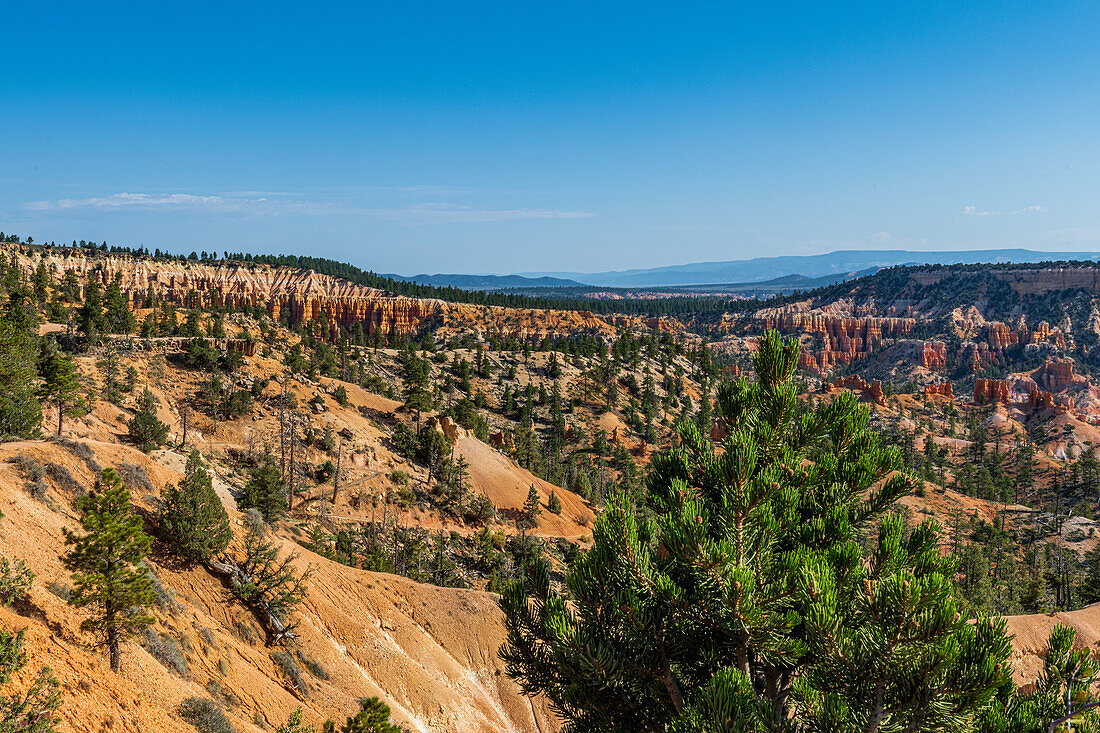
[475, 137]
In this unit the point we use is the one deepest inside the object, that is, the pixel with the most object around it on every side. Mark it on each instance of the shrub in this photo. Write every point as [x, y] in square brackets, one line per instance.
[137, 478]
[30, 469]
[15, 580]
[312, 665]
[206, 715]
[82, 451]
[61, 477]
[165, 650]
[60, 590]
[290, 670]
[480, 509]
[165, 596]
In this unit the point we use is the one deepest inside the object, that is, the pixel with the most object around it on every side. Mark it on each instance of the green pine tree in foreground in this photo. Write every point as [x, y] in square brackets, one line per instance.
[104, 564]
[745, 600]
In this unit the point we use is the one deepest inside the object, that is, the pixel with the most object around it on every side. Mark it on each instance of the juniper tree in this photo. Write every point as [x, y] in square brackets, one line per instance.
[194, 522]
[742, 598]
[104, 564]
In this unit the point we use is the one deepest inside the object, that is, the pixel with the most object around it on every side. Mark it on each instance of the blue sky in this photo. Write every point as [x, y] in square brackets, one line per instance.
[510, 137]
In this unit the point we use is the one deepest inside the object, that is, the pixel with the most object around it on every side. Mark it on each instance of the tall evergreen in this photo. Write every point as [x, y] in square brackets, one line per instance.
[743, 598]
[531, 508]
[104, 564]
[90, 321]
[193, 521]
[60, 381]
[20, 411]
[146, 429]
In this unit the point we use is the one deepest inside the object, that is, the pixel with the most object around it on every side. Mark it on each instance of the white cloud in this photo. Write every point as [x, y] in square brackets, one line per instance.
[421, 213]
[1033, 209]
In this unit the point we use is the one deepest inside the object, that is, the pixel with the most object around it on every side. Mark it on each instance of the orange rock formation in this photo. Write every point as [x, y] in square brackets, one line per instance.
[990, 390]
[1055, 375]
[934, 356]
[335, 304]
[856, 383]
[942, 389]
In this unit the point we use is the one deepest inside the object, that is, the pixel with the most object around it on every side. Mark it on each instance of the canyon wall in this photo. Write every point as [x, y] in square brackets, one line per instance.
[305, 295]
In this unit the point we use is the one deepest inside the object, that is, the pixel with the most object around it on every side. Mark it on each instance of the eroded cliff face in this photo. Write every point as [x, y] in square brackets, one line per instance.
[1025, 281]
[304, 296]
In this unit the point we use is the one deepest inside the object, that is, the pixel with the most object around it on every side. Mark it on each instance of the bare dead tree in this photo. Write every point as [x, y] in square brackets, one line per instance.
[185, 412]
[336, 476]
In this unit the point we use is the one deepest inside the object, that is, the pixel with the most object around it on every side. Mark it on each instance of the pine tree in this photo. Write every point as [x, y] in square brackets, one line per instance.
[146, 430]
[265, 490]
[294, 724]
[60, 382]
[373, 717]
[20, 411]
[418, 395]
[553, 504]
[742, 599]
[90, 320]
[531, 508]
[118, 317]
[193, 521]
[112, 392]
[1062, 699]
[104, 564]
[33, 711]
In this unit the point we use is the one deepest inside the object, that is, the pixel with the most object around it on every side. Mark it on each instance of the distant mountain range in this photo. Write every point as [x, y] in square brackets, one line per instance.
[488, 282]
[842, 264]
[810, 266]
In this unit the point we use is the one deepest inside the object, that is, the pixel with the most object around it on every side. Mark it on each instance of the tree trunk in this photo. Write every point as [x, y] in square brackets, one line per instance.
[874, 720]
[112, 642]
[276, 629]
[336, 476]
[60, 415]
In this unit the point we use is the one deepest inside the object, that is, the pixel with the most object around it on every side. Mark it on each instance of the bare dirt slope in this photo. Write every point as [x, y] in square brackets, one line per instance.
[429, 652]
[506, 484]
[1031, 632]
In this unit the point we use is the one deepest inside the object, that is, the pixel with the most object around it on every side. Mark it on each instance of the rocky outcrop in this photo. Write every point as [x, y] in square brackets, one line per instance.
[1056, 375]
[934, 356]
[849, 334]
[988, 391]
[335, 305]
[943, 389]
[999, 337]
[977, 356]
[856, 383]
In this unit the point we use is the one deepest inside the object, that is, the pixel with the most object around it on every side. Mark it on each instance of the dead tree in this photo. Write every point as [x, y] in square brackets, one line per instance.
[336, 476]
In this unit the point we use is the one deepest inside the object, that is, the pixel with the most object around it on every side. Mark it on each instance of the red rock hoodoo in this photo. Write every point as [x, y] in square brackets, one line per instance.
[990, 390]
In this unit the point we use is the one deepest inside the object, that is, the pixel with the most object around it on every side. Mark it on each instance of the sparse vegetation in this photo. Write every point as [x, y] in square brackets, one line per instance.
[206, 715]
